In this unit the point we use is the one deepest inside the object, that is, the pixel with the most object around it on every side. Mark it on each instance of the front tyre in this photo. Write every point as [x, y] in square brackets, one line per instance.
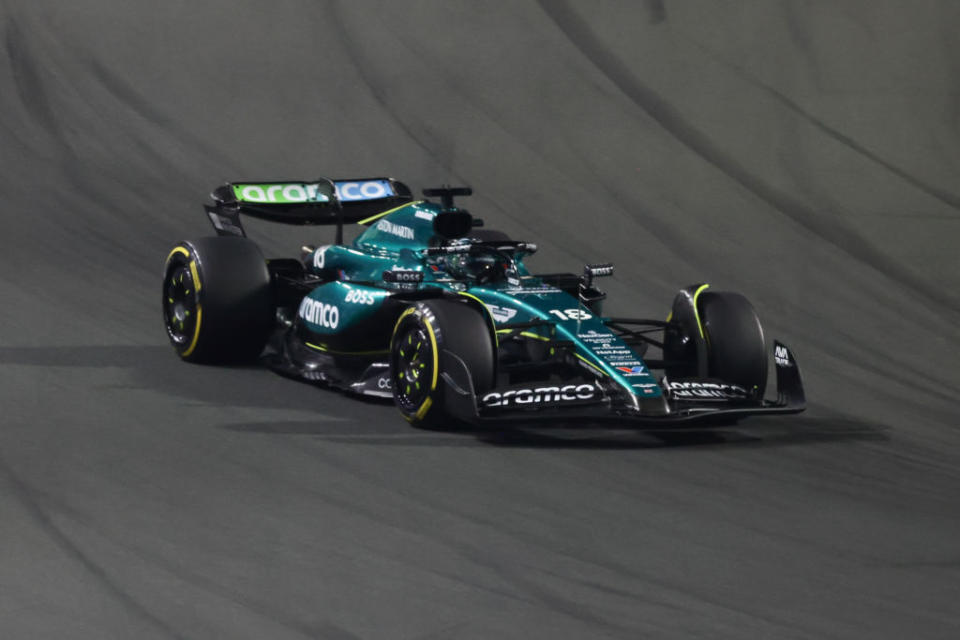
[425, 337]
[217, 301]
[736, 352]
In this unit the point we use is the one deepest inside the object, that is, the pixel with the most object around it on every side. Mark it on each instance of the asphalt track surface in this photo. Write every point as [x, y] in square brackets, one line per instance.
[803, 153]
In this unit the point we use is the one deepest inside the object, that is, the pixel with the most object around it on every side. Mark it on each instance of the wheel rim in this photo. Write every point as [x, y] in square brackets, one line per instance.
[180, 304]
[413, 367]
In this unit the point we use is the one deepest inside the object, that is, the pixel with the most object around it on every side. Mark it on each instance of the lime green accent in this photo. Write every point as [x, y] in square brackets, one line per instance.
[376, 217]
[324, 348]
[279, 193]
[696, 314]
[526, 334]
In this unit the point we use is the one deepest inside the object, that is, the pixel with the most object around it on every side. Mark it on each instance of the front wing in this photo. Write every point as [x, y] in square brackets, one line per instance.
[602, 401]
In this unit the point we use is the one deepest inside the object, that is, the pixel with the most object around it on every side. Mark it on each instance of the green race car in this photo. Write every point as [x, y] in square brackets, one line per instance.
[429, 307]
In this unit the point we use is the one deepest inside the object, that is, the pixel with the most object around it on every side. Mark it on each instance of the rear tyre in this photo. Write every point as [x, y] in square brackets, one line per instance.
[736, 352]
[422, 335]
[217, 301]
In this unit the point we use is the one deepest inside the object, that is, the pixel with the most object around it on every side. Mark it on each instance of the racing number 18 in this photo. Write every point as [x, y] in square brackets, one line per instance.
[571, 314]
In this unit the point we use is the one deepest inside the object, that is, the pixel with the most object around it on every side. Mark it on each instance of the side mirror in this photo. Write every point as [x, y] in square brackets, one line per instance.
[588, 293]
[453, 224]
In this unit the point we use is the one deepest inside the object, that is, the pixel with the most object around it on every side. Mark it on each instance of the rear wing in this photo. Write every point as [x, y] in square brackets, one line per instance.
[318, 202]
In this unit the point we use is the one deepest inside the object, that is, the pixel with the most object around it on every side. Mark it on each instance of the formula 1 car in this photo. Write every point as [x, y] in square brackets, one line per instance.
[429, 307]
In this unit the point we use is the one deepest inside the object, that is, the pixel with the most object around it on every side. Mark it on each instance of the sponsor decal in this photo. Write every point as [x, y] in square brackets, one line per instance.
[395, 229]
[501, 314]
[360, 296]
[706, 391]
[319, 256]
[384, 383]
[403, 276]
[598, 270]
[320, 313]
[781, 356]
[539, 395]
[595, 337]
[646, 387]
[363, 190]
[424, 215]
[279, 193]
[616, 352]
[635, 370]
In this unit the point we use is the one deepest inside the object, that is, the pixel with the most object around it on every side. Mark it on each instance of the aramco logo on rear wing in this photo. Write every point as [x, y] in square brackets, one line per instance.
[302, 192]
[293, 193]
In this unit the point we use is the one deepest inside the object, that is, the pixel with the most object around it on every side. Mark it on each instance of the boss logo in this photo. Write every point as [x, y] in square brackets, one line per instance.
[320, 313]
[539, 395]
[403, 276]
[360, 296]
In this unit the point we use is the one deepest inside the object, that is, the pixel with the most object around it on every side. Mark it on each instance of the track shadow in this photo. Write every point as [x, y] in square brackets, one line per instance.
[158, 369]
[784, 432]
[394, 432]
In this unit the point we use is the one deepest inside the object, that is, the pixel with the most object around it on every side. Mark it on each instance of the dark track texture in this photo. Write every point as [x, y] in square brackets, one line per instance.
[806, 154]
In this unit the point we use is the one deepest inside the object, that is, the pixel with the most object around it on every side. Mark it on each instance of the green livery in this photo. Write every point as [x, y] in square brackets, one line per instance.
[443, 315]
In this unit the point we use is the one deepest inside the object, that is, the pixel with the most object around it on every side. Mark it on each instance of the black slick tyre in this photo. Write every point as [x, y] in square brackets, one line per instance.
[736, 351]
[217, 300]
[426, 335]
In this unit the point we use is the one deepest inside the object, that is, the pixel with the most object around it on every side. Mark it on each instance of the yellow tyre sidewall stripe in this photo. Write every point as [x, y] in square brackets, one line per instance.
[197, 286]
[422, 410]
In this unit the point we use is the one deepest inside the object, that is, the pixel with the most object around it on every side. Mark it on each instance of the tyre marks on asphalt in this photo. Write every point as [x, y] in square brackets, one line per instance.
[580, 34]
